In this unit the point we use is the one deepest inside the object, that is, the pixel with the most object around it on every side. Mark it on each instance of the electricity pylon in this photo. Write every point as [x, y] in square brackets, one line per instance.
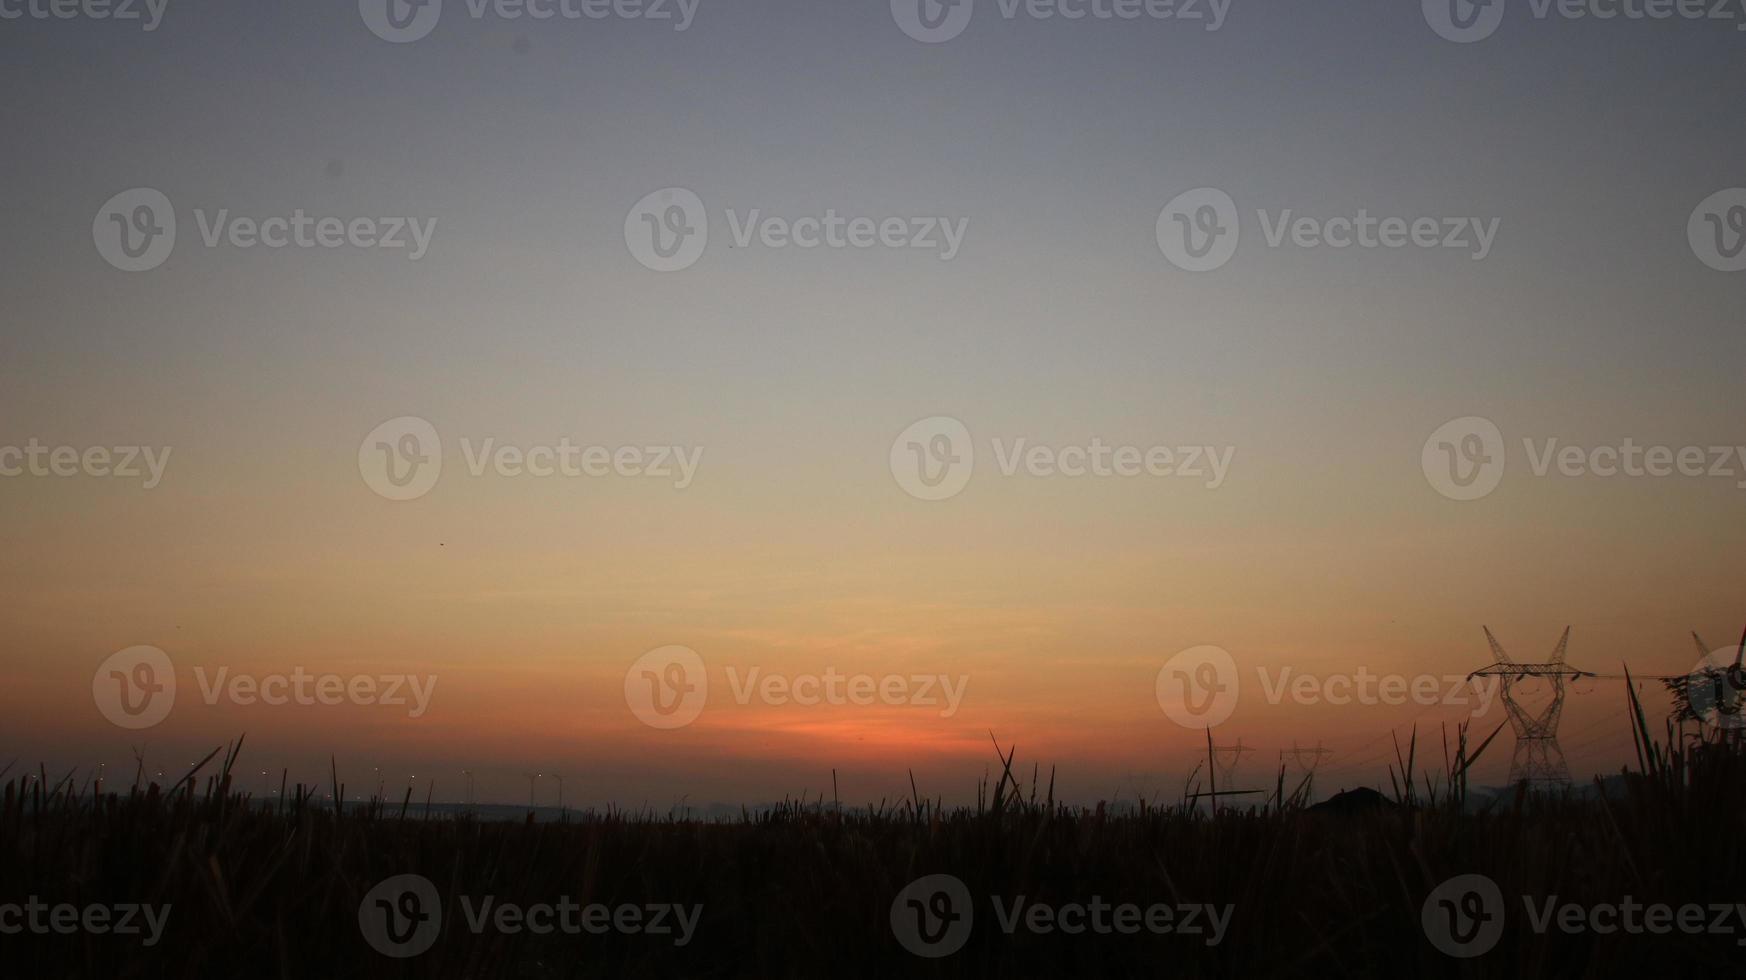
[1228, 757]
[1538, 759]
[1297, 755]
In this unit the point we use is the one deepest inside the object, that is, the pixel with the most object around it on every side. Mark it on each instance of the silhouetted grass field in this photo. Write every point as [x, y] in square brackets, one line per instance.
[808, 889]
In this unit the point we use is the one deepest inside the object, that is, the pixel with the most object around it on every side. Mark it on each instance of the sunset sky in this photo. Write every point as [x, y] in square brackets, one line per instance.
[1324, 371]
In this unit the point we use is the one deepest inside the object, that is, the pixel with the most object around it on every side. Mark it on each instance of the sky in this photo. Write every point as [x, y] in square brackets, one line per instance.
[1332, 544]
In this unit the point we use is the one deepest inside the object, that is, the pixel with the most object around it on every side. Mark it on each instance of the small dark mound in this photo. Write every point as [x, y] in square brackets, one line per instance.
[1360, 800]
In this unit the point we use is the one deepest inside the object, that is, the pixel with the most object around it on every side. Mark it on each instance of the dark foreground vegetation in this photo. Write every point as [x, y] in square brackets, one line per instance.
[808, 889]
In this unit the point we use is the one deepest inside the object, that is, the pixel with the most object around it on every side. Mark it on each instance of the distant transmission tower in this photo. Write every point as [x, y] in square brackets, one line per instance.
[1306, 759]
[1228, 756]
[1538, 760]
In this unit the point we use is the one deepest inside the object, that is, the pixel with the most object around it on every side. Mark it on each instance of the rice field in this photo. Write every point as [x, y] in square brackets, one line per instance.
[1259, 888]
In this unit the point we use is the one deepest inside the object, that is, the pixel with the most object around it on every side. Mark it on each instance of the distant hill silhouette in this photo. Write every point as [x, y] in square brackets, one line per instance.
[1360, 800]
